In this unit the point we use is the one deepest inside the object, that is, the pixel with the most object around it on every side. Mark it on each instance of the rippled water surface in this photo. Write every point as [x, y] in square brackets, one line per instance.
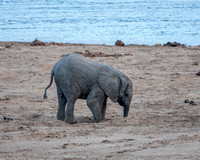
[101, 21]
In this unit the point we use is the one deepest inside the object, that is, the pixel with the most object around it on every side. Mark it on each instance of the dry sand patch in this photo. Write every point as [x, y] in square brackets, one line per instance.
[160, 124]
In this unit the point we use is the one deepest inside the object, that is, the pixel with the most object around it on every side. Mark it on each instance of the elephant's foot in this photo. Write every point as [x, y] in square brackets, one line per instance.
[97, 120]
[71, 121]
[61, 118]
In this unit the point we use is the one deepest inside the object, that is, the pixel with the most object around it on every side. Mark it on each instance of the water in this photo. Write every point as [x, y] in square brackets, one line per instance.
[101, 21]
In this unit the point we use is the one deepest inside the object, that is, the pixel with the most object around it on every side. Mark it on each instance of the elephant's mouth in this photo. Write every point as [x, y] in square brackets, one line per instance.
[121, 103]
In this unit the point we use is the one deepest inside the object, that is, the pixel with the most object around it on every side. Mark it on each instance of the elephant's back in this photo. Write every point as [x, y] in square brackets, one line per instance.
[78, 66]
[82, 63]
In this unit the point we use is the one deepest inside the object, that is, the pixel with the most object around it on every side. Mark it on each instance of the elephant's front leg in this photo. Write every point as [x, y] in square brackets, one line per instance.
[104, 108]
[69, 114]
[95, 102]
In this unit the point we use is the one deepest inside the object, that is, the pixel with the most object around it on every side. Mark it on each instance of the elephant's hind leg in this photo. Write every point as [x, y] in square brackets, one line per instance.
[61, 105]
[69, 114]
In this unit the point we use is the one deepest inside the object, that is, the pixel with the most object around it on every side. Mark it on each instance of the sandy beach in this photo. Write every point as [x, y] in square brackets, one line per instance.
[163, 122]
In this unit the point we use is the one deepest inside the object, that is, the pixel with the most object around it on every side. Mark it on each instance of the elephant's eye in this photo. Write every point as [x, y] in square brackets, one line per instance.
[126, 94]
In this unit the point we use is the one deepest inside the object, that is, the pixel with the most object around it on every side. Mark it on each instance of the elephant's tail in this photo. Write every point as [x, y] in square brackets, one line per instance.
[45, 91]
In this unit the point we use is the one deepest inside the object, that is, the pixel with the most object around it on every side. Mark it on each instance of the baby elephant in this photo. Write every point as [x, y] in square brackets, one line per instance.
[78, 77]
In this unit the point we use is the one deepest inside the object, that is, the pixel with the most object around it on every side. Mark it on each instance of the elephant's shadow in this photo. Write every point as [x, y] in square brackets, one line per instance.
[85, 119]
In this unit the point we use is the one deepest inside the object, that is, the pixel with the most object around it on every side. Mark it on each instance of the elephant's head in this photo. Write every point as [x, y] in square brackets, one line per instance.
[117, 86]
[125, 94]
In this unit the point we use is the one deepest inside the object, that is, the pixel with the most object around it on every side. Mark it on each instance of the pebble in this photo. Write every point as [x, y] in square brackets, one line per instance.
[198, 74]
[190, 102]
[186, 101]
[36, 115]
[7, 119]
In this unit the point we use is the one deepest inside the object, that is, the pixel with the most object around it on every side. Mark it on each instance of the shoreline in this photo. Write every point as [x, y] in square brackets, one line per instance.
[41, 43]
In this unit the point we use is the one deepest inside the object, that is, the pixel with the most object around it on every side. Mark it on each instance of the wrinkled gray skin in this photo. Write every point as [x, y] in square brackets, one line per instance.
[78, 77]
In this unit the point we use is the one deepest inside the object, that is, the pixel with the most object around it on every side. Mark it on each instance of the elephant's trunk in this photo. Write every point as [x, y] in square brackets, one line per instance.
[126, 110]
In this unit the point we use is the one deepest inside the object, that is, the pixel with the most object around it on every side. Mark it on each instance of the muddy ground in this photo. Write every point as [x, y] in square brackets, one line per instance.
[161, 124]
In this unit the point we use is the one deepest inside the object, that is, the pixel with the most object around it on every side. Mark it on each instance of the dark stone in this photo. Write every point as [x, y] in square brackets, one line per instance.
[192, 103]
[7, 119]
[36, 42]
[198, 74]
[186, 101]
[119, 43]
[174, 44]
[195, 64]
[8, 46]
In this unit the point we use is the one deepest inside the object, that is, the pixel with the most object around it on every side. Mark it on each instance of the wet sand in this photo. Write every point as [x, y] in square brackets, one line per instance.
[161, 124]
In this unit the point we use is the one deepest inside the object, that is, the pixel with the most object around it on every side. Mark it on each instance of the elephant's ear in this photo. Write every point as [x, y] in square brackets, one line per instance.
[109, 81]
[123, 87]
